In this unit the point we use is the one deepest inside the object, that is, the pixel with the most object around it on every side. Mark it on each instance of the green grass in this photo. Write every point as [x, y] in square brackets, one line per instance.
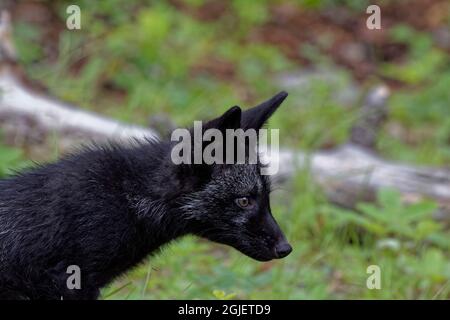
[11, 160]
[150, 56]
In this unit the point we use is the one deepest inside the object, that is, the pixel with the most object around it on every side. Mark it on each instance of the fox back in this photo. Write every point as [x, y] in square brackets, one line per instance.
[105, 208]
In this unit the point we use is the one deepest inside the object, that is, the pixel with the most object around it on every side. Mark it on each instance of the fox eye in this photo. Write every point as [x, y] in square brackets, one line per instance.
[244, 202]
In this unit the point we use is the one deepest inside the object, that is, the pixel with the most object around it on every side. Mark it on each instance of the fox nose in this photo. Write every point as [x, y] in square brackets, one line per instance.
[282, 249]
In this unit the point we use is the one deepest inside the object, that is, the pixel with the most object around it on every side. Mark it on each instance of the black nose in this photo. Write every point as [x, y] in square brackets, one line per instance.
[282, 249]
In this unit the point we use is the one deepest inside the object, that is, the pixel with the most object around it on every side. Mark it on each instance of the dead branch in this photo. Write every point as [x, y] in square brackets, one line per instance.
[372, 115]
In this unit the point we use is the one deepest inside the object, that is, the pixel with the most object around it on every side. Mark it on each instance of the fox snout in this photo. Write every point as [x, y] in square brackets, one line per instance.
[282, 249]
[268, 241]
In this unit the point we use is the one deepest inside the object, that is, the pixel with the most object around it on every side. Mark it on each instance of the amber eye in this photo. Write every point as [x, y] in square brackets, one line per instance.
[243, 202]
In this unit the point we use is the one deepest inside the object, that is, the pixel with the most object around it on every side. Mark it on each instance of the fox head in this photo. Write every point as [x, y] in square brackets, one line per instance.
[229, 203]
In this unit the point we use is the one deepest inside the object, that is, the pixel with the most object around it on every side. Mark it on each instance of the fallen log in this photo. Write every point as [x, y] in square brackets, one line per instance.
[348, 174]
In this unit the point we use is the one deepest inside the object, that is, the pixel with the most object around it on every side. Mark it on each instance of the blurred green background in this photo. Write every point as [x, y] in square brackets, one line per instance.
[192, 59]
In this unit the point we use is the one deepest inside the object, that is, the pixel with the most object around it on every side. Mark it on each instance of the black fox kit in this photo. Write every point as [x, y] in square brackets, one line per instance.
[105, 209]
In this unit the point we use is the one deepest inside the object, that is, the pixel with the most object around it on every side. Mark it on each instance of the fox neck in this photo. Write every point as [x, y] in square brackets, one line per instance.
[155, 196]
[153, 203]
[158, 223]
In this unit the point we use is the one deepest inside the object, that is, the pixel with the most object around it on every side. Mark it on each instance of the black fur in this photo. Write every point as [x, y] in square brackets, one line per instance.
[106, 208]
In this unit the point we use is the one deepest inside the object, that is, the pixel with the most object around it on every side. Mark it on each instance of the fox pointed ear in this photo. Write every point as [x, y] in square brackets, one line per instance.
[255, 117]
[231, 119]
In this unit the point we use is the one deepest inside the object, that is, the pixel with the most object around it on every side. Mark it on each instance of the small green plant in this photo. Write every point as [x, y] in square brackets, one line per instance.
[391, 218]
[222, 295]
